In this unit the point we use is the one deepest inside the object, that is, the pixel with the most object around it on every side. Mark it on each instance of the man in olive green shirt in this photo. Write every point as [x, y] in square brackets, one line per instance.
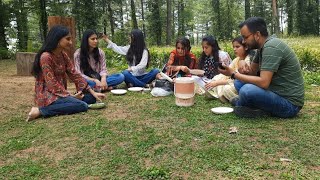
[273, 83]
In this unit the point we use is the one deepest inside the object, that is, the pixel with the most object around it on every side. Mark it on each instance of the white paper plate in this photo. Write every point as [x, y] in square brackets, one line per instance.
[135, 89]
[118, 91]
[166, 77]
[222, 110]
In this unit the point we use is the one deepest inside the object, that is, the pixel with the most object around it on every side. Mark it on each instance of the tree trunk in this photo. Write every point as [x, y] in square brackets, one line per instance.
[121, 16]
[142, 15]
[168, 28]
[275, 17]
[3, 22]
[289, 5]
[181, 24]
[300, 17]
[133, 15]
[247, 9]
[22, 25]
[217, 18]
[43, 19]
[111, 18]
[318, 17]
[173, 20]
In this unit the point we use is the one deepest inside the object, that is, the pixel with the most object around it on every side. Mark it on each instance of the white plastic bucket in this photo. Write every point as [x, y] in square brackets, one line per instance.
[184, 91]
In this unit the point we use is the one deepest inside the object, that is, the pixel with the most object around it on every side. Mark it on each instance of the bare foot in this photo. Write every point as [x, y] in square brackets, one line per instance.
[33, 114]
[158, 76]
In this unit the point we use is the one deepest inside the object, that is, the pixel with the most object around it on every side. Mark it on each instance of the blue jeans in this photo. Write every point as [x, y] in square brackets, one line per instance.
[112, 80]
[67, 105]
[140, 81]
[238, 84]
[255, 97]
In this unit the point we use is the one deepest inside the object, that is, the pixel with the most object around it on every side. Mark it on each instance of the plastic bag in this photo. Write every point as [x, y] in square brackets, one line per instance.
[157, 91]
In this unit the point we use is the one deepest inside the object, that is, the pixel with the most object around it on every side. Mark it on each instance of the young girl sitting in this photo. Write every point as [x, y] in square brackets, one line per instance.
[138, 58]
[181, 60]
[223, 86]
[209, 60]
[91, 63]
[50, 68]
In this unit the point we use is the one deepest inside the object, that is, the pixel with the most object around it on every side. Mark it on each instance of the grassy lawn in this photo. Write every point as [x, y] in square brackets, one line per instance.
[142, 137]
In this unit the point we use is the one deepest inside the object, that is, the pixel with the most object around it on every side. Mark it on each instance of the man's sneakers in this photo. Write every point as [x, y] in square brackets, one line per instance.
[246, 112]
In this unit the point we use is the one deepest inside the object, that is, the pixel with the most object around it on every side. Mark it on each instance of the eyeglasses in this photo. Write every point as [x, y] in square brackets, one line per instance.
[246, 37]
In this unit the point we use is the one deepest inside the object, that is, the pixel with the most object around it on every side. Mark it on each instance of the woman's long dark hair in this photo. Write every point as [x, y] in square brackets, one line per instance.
[51, 42]
[137, 47]
[211, 41]
[84, 53]
[187, 60]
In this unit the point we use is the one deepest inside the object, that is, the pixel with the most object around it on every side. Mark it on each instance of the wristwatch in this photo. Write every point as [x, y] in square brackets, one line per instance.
[233, 74]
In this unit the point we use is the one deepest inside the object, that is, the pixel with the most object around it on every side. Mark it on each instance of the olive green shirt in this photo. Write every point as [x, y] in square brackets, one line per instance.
[287, 80]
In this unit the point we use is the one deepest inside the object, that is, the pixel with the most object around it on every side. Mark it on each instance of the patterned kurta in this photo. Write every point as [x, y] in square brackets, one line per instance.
[209, 68]
[51, 82]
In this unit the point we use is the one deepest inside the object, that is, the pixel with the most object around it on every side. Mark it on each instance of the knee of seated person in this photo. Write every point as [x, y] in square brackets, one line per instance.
[248, 90]
[121, 77]
[83, 106]
[156, 71]
[125, 72]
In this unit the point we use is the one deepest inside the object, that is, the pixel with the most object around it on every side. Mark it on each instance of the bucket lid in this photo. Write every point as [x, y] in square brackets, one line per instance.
[184, 80]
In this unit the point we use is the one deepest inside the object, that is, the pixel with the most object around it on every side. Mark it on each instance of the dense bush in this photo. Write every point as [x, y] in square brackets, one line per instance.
[4, 53]
[309, 58]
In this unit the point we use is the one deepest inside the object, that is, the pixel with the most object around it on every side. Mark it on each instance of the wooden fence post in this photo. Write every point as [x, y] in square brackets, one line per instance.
[24, 63]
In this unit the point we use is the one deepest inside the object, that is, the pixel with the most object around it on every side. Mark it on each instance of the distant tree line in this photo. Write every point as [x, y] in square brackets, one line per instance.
[162, 21]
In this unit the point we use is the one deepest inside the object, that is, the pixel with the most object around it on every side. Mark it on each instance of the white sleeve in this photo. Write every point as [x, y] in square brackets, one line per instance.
[143, 62]
[118, 49]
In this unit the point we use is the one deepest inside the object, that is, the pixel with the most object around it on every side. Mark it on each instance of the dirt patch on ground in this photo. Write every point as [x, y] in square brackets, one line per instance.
[18, 94]
[56, 154]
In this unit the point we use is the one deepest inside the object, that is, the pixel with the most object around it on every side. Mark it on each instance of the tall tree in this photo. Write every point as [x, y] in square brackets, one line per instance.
[300, 18]
[289, 9]
[43, 19]
[216, 21]
[90, 14]
[247, 9]
[317, 2]
[3, 24]
[169, 23]
[155, 22]
[142, 16]
[181, 19]
[133, 15]
[275, 17]
[111, 19]
[21, 15]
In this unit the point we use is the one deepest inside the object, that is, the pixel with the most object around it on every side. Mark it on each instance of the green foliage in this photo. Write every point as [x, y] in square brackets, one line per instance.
[4, 53]
[309, 59]
[156, 173]
[311, 77]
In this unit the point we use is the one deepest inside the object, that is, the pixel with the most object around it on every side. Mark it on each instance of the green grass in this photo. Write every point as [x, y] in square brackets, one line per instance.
[142, 137]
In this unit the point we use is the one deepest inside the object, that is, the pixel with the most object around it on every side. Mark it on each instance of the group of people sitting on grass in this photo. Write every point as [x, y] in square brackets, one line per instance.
[269, 82]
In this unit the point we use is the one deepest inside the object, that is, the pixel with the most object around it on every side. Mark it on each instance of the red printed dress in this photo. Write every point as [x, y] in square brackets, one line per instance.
[51, 82]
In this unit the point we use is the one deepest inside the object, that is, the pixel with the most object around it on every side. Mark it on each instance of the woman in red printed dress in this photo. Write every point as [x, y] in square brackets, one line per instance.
[50, 68]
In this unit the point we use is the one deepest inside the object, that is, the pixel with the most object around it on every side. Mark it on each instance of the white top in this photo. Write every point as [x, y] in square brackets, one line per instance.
[137, 69]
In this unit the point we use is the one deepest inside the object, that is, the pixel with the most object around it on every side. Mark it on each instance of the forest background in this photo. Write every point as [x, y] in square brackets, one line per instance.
[23, 23]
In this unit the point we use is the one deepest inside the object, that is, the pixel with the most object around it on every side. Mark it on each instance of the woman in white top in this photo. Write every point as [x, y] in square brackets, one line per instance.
[137, 56]
[90, 62]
